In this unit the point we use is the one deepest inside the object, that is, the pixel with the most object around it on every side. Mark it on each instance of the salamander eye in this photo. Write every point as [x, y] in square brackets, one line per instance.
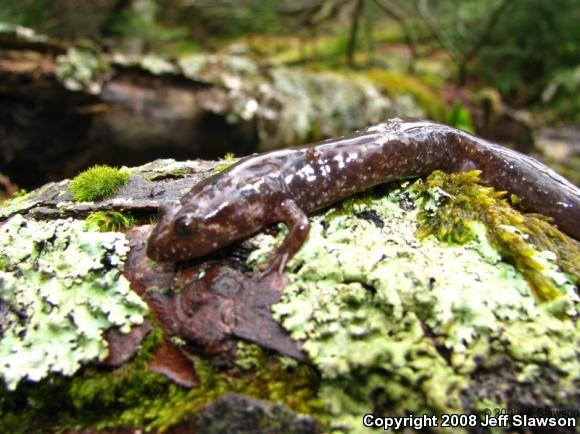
[185, 225]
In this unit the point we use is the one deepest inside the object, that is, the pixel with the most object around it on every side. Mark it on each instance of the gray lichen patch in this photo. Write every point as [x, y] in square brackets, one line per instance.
[20, 32]
[400, 325]
[149, 186]
[226, 70]
[81, 68]
[30, 200]
[323, 104]
[61, 288]
[300, 105]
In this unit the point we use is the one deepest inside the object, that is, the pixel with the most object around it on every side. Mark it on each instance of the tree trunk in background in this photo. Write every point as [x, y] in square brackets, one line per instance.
[354, 30]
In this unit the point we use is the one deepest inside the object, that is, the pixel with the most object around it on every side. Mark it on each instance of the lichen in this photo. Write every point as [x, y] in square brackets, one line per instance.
[132, 396]
[397, 324]
[97, 182]
[317, 105]
[81, 68]
[22, 33]
[61, 288]
[157, 65]
[109, 221]
[451, 203]
[23, 202]
[295, 105]
[219, 69]
[248, 356]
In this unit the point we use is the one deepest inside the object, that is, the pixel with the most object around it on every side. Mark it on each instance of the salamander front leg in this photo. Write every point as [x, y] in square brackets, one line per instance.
[297, 222]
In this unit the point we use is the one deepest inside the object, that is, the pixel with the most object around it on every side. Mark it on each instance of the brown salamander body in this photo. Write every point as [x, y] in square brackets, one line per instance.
[287, 184]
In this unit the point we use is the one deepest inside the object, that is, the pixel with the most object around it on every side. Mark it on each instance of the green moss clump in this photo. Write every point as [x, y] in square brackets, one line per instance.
[132, 396]
[110, 221]
[97, 182]
[226, 161]
[20, 193]
[180, 171]
[452, 203]
[353, 204]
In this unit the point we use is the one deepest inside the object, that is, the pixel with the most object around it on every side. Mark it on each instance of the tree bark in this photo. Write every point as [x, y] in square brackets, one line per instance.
[354, 31]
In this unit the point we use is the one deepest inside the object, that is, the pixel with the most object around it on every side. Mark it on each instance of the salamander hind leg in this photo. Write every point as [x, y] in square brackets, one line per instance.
[298, 225]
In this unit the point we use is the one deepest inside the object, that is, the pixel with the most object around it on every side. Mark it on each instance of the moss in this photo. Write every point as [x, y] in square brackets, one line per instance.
[131, 396]
[397, 83]
[295, 105]
[352, 205]
[452, 203]
[110, 221]
[61, 288]
[394, 323]
[398, 324]
[88, 399]
[20, 193]
[249, 356]
[180, 171]
[227, 160]
[97, 183]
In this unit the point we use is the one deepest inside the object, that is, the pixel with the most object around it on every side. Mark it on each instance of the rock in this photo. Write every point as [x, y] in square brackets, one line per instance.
[375, 314]
[559, 144]
[240, 414]
[96, 107]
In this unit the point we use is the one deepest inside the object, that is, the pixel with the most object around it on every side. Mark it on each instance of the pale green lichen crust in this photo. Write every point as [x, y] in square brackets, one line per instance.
[61, 288]
[397, 325]
[23, 202]
[21, 32]
[81, 68]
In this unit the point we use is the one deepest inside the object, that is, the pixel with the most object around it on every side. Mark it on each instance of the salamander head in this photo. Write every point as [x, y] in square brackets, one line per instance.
[201, 224]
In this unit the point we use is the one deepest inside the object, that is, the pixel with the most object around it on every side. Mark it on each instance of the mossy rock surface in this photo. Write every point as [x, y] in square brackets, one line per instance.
[393, 320]
[401, 323]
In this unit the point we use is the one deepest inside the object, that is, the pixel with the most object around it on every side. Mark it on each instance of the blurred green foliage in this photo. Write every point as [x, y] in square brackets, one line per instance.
[534, 41]
[460, 117]
[527, 49]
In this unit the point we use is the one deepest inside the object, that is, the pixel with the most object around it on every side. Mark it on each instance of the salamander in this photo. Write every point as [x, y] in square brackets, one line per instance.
[285, 185]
